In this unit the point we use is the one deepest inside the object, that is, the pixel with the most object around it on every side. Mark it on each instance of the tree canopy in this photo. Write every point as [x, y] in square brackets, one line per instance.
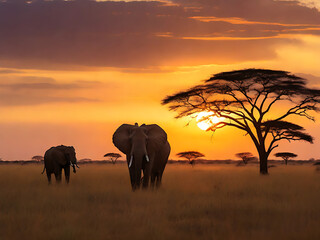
[190, 155]
[245, 99]
[37, 158]
[113, 157]
[286, 156]
[245, 156]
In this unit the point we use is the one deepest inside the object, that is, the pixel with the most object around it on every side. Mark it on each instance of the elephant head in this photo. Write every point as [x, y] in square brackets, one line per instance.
[140, 144]
[70, 156]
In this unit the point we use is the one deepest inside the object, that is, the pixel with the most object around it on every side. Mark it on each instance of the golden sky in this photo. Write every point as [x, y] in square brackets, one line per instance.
[72, 72]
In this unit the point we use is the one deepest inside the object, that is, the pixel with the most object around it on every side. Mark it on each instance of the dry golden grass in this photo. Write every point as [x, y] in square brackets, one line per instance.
[204, 202]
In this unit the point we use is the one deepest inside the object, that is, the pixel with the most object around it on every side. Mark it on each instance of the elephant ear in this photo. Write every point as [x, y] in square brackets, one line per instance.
[121, 138]
[157, 137]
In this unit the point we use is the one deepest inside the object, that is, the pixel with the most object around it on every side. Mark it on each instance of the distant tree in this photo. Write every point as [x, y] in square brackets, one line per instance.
[285, 156]
[246, 99]
[113, 157]
[37, 158]
[84, 160]
[190, 155]
[246, 157]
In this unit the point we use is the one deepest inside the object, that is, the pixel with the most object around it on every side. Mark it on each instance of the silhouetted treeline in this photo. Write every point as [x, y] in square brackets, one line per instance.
[200, 162]
[230, 161]
[22, 162]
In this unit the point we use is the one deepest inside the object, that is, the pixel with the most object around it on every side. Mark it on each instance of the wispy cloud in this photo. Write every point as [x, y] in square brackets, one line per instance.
[145, 34]
[232, 38]
[9, 71]
[236, 20]
[22, 91]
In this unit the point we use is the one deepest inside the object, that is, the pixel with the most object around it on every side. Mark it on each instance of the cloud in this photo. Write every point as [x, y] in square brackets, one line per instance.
[313, 80]
[146, 34]
[9, 71]
[308, 3]
[15, 99]
[23, 91]
[285, 12]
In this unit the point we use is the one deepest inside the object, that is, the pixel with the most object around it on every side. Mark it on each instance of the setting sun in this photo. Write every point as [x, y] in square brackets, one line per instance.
[206, 120]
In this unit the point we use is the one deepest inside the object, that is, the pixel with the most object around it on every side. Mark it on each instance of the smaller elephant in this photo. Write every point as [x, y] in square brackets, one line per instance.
[58, 158]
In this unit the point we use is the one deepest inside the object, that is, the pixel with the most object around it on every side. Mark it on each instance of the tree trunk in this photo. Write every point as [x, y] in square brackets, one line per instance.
[263, 163]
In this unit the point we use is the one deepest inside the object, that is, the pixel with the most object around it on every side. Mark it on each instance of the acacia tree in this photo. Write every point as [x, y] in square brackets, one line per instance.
[245, 156]
[37, 158]
[246, 99]
[190, 155]
[113, 157]
[285, 156]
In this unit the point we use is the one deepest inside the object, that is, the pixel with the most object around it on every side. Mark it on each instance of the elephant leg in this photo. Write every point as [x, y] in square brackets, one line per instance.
[146, 176]
[58, 175]
[138, 179]
[153, 178]
[49, 177]
[159, 178]
[67, 173]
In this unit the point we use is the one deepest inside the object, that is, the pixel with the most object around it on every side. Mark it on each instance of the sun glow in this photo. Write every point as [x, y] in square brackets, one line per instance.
[207, 119]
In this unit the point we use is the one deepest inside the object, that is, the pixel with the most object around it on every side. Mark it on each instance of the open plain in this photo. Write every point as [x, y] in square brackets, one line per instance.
[201, 202]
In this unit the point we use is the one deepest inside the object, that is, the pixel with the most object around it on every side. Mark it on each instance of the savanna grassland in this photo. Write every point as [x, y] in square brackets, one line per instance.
[204, 202]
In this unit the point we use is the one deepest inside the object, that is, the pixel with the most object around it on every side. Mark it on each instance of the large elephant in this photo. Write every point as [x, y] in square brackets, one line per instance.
[58, 158]
[147, 149]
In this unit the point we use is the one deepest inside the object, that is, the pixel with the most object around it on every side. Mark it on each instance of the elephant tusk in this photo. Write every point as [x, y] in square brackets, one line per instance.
[148, 160]
[131, 159]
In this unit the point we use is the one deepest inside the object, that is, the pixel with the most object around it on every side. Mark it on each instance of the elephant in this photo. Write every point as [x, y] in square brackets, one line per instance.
[147, 149]
[58, 158]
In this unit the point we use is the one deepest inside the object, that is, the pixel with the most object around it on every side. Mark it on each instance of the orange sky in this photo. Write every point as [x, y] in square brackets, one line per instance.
[72, 72]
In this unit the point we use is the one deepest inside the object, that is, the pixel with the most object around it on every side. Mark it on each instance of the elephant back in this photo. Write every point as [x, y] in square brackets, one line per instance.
[55, 155]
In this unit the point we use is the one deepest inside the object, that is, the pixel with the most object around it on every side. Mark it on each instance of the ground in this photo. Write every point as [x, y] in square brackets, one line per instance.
[201, 202]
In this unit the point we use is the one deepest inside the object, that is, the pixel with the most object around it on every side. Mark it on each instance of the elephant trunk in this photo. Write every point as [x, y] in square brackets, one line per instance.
[138, 167]
[138, 158]
[137, 163]
[131, 160]
[73, 167]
